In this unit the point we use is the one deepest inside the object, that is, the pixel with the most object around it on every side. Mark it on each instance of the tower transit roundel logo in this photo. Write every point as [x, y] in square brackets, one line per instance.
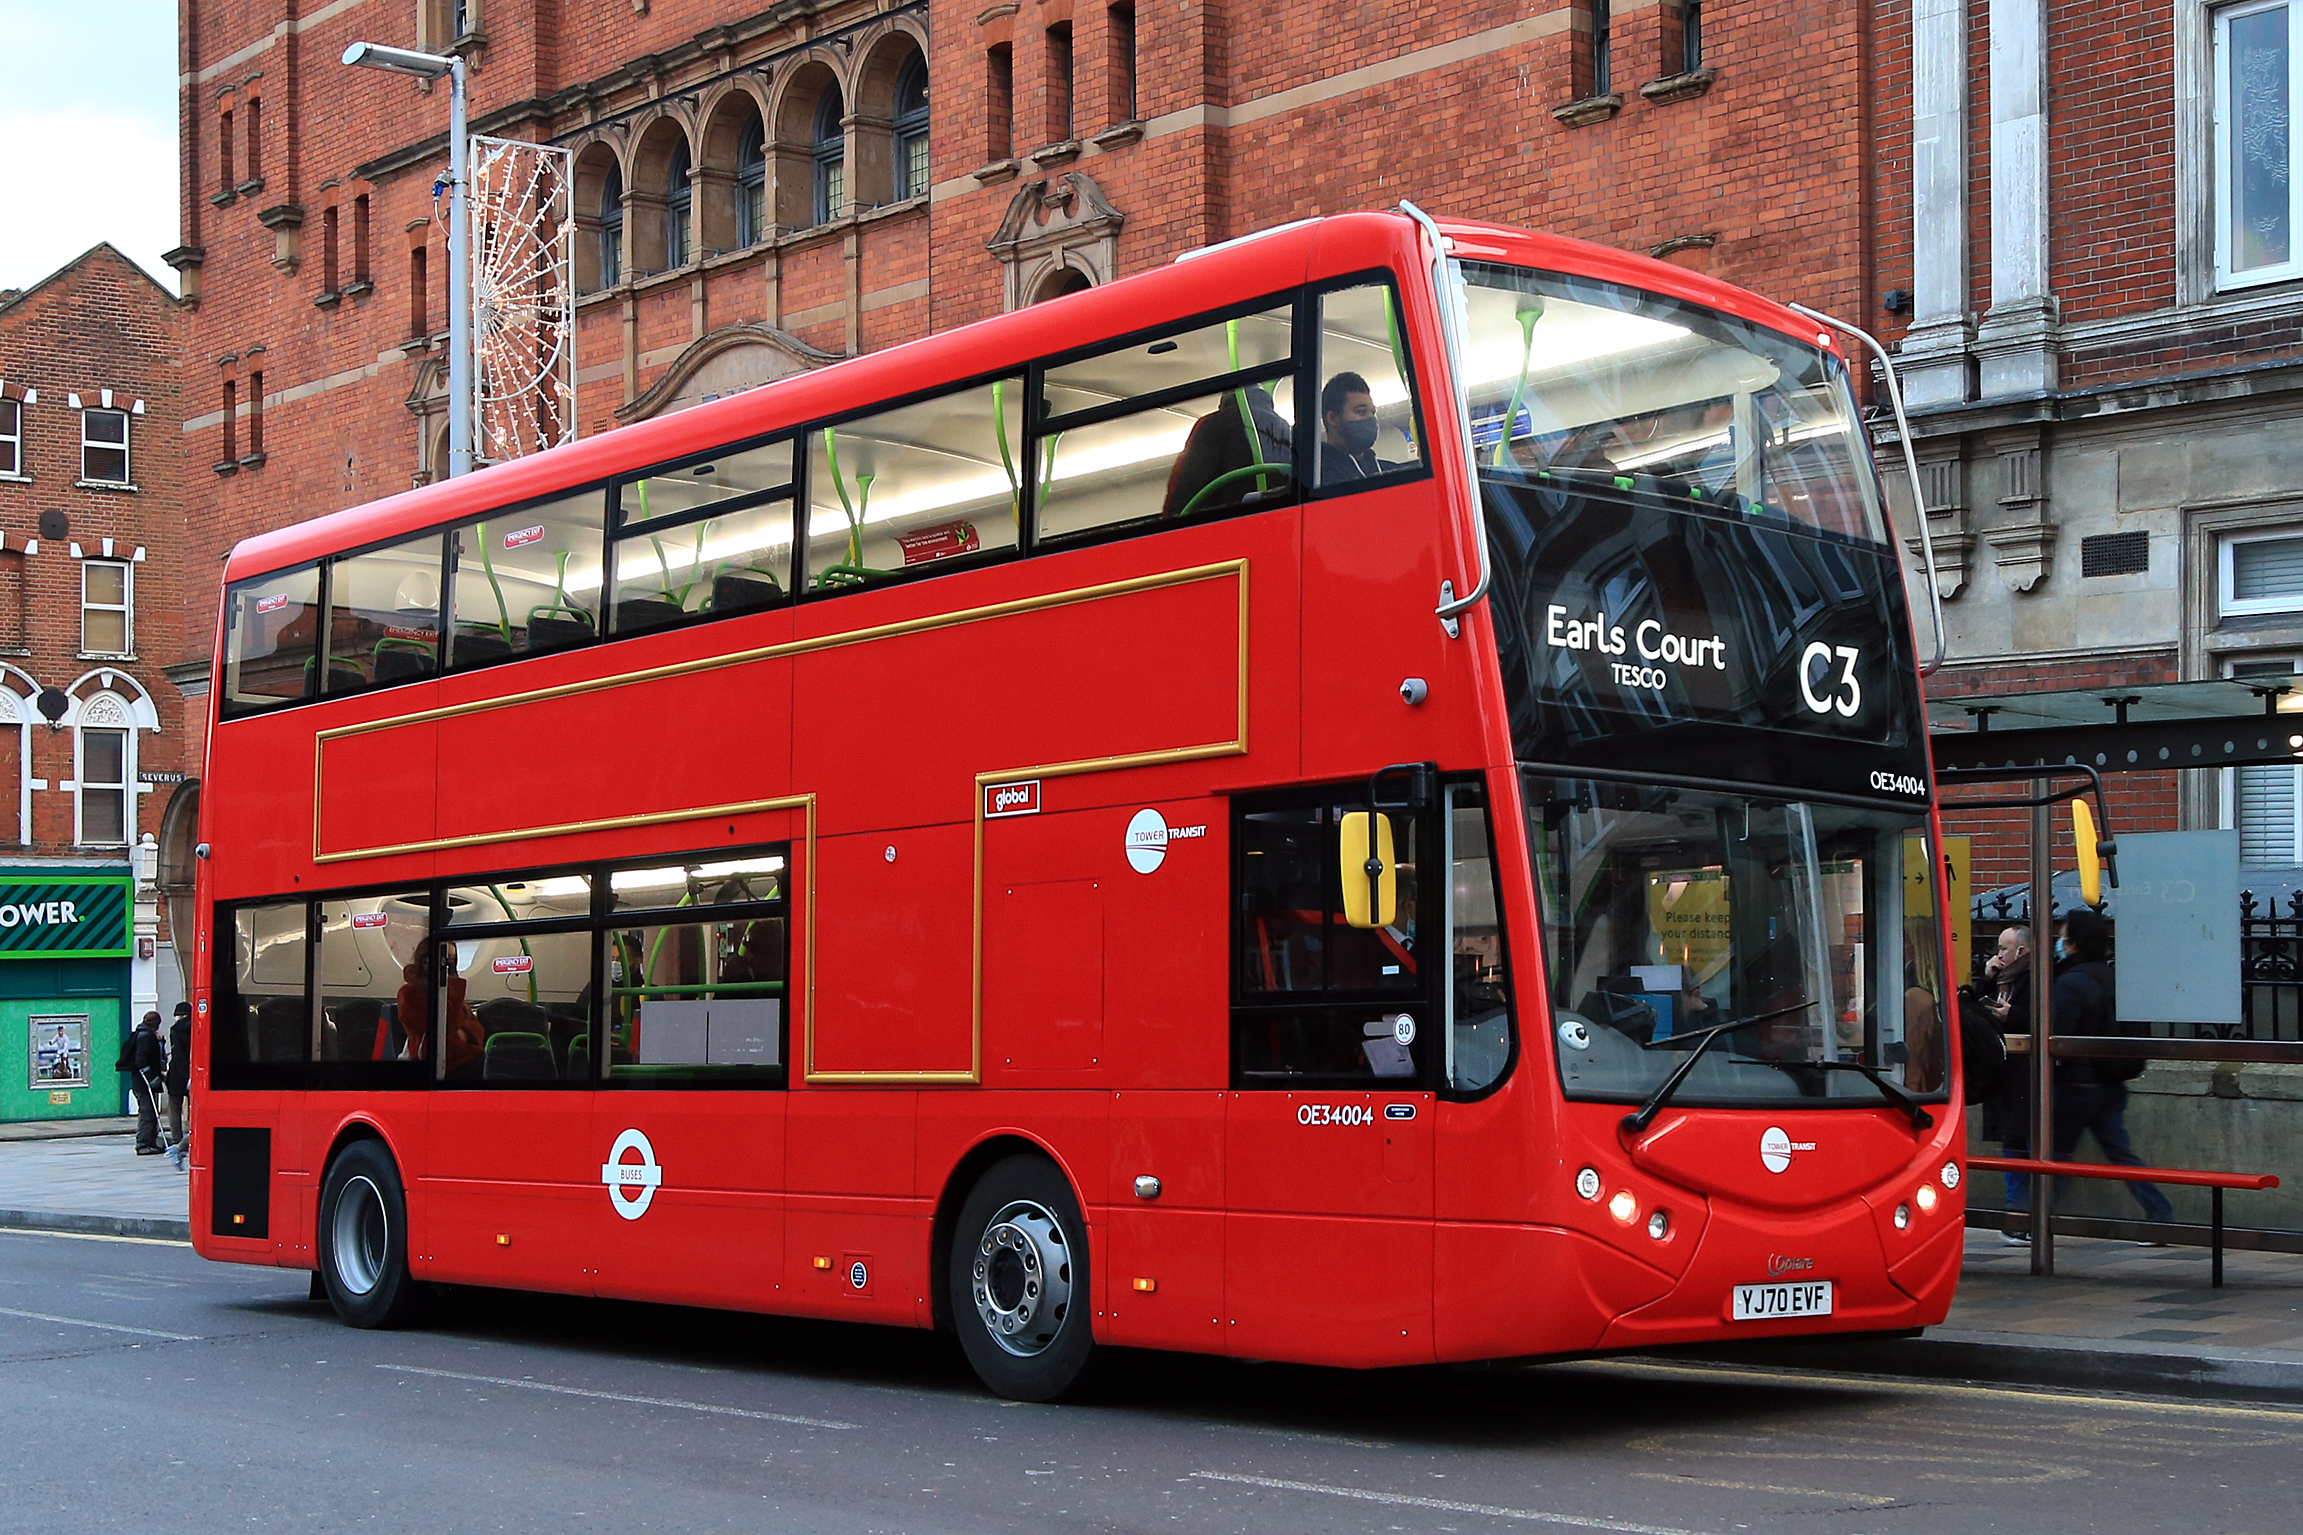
[631, 1185]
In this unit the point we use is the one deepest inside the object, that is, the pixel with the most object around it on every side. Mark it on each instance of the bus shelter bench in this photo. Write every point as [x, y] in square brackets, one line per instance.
[2215, 1183]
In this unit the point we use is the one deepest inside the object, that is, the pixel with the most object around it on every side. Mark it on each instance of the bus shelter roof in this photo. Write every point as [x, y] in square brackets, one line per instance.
[2239, 723]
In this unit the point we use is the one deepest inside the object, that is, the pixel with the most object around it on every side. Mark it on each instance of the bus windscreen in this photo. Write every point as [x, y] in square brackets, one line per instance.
[1670, 911]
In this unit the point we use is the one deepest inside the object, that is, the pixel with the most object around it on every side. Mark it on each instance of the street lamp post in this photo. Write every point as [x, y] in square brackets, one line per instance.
[432, 66]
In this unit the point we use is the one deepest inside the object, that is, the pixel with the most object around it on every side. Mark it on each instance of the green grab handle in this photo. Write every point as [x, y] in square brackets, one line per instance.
[1259, 470]
[1527, 318]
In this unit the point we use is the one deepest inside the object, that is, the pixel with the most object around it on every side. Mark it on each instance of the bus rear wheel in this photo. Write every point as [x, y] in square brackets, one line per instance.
[363, 1239]
[1020, 1297]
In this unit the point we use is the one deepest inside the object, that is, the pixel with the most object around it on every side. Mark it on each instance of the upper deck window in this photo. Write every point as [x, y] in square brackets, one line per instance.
[384, 615]
[1625, 395]
[1121, 446]
[271, 625]
[923, 482]
[713, 535]
[527, 580]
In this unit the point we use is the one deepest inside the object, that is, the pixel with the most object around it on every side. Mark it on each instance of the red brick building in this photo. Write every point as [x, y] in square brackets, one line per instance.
[91, 604]
[2087, 252]
[762, 188]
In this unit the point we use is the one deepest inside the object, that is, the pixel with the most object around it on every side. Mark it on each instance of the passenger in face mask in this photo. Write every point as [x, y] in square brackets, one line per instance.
[1347, 428]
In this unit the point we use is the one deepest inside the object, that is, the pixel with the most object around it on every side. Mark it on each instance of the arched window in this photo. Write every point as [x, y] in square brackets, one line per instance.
[612, 227]
[831, 155]
[912, 129]
[751, 185]
[679, 209]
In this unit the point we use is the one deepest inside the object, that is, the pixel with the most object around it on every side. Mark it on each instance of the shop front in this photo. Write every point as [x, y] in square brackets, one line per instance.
[65, 946]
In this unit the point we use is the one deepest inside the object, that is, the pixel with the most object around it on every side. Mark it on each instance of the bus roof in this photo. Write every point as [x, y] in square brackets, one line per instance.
[1277, 258]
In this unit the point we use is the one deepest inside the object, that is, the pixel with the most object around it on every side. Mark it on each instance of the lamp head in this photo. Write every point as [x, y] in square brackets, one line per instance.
[400, 61]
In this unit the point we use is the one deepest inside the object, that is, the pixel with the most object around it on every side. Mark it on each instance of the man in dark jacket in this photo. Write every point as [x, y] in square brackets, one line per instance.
[179, 1081]
[144, 1059]
[2091, 1092]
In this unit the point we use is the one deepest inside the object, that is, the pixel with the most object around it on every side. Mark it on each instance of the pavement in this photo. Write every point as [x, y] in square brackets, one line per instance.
[2115, 1316]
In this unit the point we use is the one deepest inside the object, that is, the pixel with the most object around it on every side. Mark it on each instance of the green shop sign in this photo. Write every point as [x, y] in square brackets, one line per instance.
[83, 918]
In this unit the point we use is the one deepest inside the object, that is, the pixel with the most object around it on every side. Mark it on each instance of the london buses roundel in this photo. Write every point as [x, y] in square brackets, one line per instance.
[631, 1185]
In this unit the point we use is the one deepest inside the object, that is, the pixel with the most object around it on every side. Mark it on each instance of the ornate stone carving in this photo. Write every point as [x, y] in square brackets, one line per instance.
[2023, 546]
[726, 362]
[1054, 223]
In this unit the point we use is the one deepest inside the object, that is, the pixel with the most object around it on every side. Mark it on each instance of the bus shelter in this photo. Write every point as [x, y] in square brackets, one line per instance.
[2212, 997]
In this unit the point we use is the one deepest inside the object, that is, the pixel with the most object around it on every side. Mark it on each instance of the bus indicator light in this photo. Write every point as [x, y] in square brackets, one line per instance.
[1011, 799]
[1624, 1207]
[1587, 1183]
[1951, 1175]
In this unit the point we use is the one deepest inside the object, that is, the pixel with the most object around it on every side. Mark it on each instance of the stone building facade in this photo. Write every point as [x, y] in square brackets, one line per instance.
[2087, 263]
[91, 729]
[763, 187]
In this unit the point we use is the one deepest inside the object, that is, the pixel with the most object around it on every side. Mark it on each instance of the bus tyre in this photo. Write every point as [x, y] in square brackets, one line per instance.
[364, 1239]
[1019, 1282]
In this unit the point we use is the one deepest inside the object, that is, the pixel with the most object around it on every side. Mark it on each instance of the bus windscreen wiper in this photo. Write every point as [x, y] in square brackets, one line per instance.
[1894, 1092]
[1636, 1124]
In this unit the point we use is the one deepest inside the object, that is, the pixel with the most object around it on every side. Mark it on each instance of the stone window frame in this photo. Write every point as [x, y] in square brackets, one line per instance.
[2198, 239]
[105, 405]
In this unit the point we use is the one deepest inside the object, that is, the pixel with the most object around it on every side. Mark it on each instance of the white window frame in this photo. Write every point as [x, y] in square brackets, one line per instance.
[2228, 799]
[126, 608]
[125, 446]
[2229, 606]
[126, 785]
[15, 441]
[2219, 177]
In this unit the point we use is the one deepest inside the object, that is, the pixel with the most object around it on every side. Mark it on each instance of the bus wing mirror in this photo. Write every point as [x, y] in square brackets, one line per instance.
[1370, 876]
[2090, 852]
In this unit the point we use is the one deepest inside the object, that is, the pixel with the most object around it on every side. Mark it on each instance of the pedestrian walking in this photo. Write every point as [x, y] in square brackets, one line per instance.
[179, 1083]
[2091, 1091]
[145, 1059]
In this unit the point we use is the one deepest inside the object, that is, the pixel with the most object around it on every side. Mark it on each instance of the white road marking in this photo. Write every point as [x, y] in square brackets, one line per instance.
[1445, 1505]
[620, 1396]
[73, 1321]
[1868, 1499]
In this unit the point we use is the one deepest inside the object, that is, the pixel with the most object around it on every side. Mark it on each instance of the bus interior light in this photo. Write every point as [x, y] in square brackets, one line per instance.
[1925, 1198]
[1950, 1175]
[1623, 1206]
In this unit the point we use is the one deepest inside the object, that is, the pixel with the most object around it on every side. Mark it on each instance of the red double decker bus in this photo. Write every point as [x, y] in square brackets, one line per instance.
[1360, 799]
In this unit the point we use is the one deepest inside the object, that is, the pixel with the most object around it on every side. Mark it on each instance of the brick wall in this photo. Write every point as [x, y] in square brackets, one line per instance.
[1439, 104]
[97, 324]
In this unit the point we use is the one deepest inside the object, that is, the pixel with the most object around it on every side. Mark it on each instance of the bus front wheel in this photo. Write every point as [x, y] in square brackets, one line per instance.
[1019, 1282]
[364, 1239]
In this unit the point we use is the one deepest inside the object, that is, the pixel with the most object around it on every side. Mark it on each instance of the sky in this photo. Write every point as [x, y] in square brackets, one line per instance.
[88, 112]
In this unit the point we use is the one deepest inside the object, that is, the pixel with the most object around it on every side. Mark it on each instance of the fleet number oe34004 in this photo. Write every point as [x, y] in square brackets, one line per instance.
[1774, 1302]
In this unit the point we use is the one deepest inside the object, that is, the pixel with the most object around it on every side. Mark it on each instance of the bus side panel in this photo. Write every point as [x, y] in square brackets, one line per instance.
[1085, 677]
[1163, 1257]
[1094, 971]
[507, 1182]
[853, 1155]
[713, 1235]
[1328, 1244]
[894, 972]
[377, 789]
[1361, 555]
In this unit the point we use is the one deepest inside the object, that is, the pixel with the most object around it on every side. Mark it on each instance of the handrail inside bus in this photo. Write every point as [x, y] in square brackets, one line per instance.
[1453, 322]
[1910, 467]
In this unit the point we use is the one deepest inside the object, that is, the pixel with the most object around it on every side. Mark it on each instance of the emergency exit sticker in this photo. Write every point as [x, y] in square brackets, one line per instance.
[370, 919]
[1011, 799]
[522, 536]
[515, 964]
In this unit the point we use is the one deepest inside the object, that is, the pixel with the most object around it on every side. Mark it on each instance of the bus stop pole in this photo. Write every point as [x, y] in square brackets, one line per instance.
[2042, 993]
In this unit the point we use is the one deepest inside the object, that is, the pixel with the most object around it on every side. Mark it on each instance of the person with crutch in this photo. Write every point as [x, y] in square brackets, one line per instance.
[145, 1060]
